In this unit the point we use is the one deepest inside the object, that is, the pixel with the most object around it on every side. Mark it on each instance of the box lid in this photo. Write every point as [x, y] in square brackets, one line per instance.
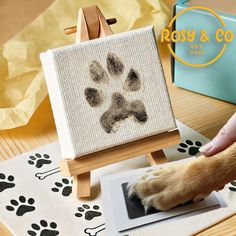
[226, 6]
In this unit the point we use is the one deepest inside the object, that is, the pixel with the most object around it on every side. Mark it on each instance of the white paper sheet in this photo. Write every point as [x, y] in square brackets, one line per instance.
[53, 202]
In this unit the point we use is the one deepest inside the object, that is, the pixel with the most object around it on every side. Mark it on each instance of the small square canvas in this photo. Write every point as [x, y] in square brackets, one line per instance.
[107, 92]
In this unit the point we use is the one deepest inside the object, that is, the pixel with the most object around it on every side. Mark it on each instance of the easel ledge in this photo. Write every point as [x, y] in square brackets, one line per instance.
[123, 152]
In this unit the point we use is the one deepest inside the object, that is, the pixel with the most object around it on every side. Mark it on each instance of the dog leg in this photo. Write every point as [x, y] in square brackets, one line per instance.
[169, 187]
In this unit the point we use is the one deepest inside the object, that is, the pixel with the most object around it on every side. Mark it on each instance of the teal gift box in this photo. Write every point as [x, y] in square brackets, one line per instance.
[218, 79]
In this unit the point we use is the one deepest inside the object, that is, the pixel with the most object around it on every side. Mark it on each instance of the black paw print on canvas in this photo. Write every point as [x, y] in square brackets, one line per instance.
[65, 186]
[6, 182]
[39, 160]
[88, 213]
[120, 108]
[22, 206]
[190, 147]
[44, 229]
[233, 187]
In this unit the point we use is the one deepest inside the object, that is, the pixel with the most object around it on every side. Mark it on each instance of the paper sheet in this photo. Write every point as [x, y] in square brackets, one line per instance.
[22, 82]
[33, 179]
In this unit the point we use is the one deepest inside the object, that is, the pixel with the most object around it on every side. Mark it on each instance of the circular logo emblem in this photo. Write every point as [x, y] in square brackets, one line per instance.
[176, 36]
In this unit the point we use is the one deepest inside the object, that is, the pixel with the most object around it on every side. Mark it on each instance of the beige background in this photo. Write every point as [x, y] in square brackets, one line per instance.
[204, 114]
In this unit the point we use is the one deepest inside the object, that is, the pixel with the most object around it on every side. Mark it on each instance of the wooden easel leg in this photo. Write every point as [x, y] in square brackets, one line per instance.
[82, 185]
[157, 157]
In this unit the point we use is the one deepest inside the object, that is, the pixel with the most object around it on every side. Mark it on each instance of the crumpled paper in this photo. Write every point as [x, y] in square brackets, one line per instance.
[22, 84]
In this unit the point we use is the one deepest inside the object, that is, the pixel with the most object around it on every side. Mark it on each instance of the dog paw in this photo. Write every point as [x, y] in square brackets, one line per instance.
[167, 188]
[159, 188]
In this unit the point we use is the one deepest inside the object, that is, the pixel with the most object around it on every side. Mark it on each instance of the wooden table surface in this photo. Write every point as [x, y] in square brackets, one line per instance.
[204, 114]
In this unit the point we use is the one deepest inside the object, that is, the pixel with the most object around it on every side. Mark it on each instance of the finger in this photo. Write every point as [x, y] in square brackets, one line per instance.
[223, 139]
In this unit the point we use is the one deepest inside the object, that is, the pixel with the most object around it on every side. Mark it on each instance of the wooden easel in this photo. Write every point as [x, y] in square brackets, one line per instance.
[91, 25]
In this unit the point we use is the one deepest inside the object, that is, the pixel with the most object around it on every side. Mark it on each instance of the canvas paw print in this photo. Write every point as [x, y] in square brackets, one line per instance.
[108, 91]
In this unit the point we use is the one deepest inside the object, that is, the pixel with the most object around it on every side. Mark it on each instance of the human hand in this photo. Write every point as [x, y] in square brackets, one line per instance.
[225, 137]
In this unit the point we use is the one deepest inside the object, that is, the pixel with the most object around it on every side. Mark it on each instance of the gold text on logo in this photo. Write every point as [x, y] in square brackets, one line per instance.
[182, 36]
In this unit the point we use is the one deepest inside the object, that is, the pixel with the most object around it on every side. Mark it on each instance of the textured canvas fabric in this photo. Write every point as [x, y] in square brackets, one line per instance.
[106, 92]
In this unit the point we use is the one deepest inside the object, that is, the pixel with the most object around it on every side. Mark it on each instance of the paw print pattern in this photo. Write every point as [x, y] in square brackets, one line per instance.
[233, 187]
[38, 160]
[120, 108]
[44, 229]
[21, 207]
[65, 186]
[6, 182]
[190, 147]
[89, 214]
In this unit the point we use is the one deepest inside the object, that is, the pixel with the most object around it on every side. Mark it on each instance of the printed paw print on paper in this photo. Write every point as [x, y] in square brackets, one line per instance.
[43, 229]
[89, 214]
[190, 147]
[120, 108]
[22, 206]
[233, 187]
[6, 182]
[38, 160]
[65, 186]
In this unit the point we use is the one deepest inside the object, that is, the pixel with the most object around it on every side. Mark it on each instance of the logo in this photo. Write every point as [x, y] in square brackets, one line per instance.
[190, 36]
